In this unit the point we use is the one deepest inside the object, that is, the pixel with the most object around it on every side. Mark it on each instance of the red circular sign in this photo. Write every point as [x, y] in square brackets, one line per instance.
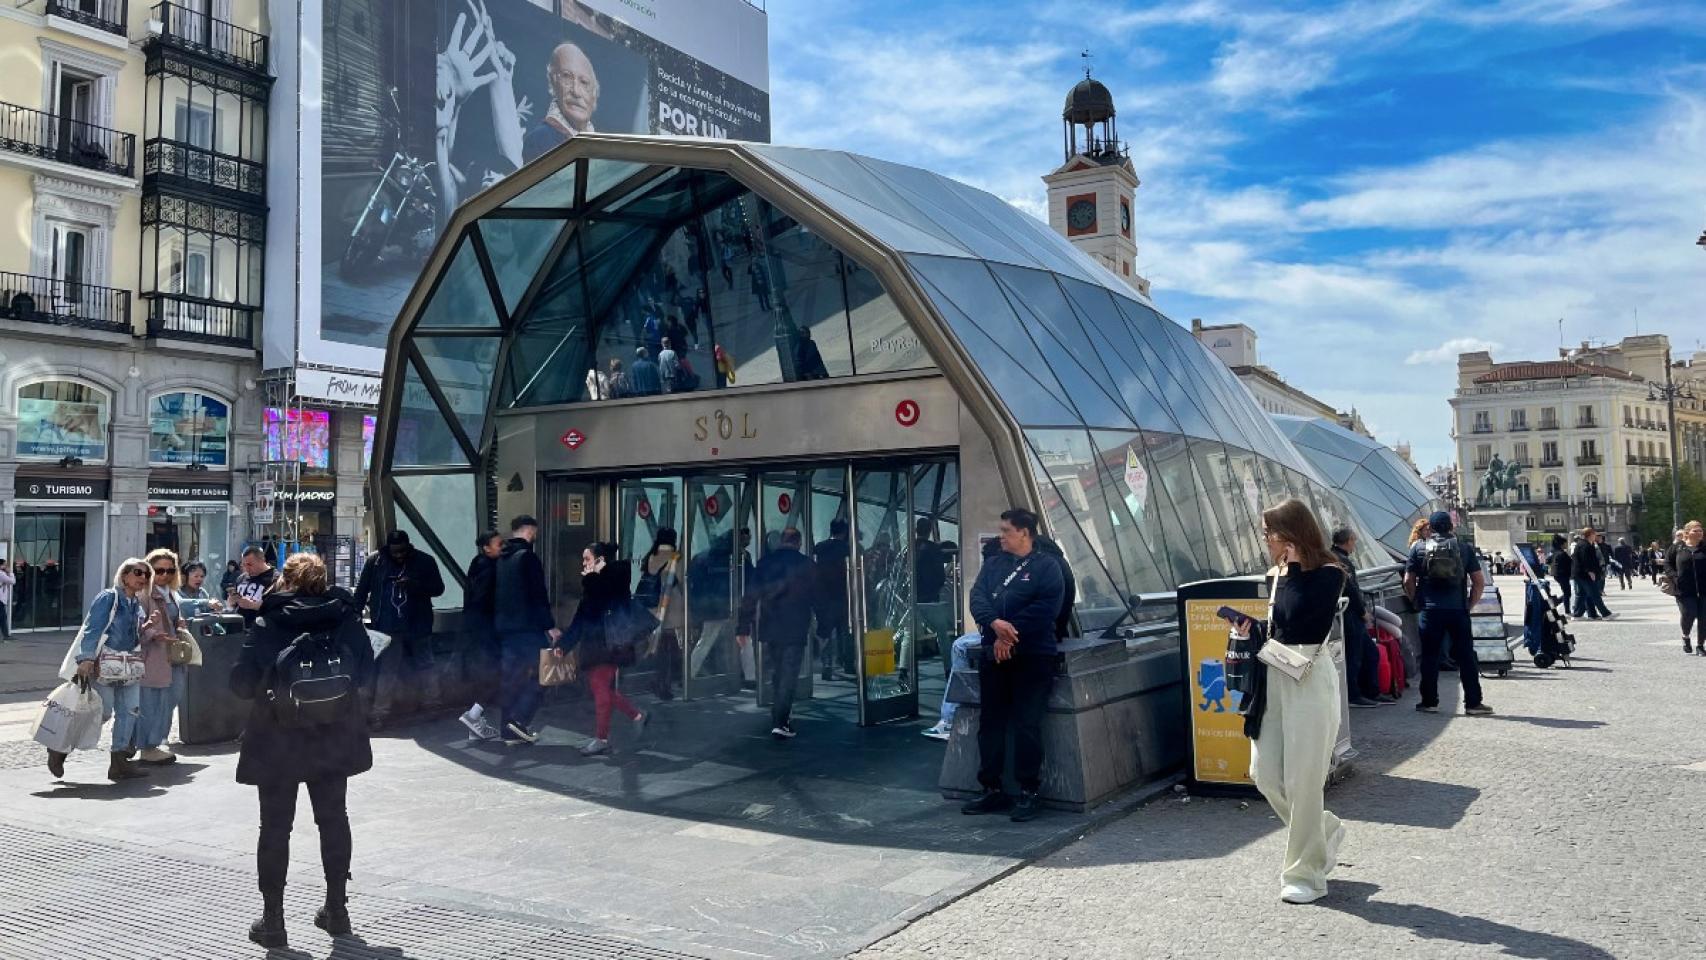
[784, 503]
[712, 506]
[643, 509]
[573, 439]
[906, 413]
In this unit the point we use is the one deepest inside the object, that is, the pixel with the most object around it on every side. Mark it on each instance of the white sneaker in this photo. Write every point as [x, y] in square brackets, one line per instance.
[477, 726]
[595, 747]
[484, 730]
[1298, 893]
[783, 732]
[939, 731]
[640, 722]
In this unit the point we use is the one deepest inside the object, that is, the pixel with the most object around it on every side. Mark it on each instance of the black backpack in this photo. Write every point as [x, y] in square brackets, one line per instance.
[312, 685]
[1442, 559]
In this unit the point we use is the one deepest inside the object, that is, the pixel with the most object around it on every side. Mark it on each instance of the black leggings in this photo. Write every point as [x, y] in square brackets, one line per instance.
[1693, 616]
[278, 815]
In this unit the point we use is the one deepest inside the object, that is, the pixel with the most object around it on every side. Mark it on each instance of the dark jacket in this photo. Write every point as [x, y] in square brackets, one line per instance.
[1031, 599]
[276, 754]
[1687, 568]
[1624, 554]
[1559, 565]
[602, 592]
[780, 599]
[1069, 587]
[1357, 612]
[397, 595]
[1584, 560]
[479, 598]
[522, 603]
[831, 597]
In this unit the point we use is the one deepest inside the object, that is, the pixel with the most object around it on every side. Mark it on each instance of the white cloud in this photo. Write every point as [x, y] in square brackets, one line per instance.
[1448, 351]
[1247, 69]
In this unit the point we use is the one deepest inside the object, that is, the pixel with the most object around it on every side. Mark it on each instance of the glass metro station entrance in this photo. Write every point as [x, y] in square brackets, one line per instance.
[883, 534]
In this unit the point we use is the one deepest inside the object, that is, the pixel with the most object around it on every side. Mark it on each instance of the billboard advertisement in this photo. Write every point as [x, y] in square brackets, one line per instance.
[427, 103]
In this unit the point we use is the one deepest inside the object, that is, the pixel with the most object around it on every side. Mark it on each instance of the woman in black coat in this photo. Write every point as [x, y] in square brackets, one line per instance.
[607, 602]
[278, 754]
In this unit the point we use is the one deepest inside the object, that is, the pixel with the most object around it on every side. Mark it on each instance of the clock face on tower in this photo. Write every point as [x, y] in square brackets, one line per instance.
[1125, 218]
[1081, 214]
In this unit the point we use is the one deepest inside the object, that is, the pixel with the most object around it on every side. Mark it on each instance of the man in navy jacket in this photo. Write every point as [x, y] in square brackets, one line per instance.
[1015, 601]
[525, 625]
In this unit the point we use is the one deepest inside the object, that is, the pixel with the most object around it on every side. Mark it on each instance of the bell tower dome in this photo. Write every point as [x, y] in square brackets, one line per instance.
[1092, 194]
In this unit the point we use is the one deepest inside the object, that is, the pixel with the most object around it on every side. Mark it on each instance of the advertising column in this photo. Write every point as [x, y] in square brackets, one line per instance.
[1219, 751]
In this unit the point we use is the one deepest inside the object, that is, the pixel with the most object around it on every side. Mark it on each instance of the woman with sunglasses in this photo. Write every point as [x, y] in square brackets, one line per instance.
[163, 684]
[113, 625]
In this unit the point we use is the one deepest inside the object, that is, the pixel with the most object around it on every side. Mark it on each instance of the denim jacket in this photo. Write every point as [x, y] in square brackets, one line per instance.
[126, 633]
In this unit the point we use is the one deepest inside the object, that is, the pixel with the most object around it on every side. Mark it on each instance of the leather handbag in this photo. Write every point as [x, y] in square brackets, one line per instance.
[116, 669]
[555, 671]
[184, 650]
[1286, 659]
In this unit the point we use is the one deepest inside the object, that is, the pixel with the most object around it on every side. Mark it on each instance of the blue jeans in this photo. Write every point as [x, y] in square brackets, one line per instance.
[123, 704]
[1439, 627]
[958, 659]
[518, 683]
[157, 706]
[1362, 661]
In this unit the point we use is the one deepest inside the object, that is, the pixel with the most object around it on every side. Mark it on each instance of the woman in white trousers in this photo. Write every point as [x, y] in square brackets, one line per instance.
[1298, 722]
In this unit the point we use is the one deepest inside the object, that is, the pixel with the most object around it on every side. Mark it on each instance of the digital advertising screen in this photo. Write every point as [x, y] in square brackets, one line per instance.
[426, 103]
[300, 436]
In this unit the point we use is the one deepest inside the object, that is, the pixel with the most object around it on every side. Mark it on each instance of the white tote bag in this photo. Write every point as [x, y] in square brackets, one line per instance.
[70, 719]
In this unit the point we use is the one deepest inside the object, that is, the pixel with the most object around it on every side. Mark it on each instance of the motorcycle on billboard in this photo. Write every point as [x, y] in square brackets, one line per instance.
[399, 220]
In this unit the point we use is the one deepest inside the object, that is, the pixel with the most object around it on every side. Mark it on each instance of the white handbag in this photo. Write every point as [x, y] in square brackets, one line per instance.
[1287, 659]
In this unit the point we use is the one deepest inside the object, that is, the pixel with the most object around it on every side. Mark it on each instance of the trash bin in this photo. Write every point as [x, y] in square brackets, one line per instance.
[211, 713]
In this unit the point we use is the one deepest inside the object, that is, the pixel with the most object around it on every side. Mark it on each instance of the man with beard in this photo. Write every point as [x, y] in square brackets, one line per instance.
[574, 99]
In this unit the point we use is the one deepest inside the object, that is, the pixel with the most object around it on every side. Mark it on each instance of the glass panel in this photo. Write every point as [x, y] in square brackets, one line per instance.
[1043, 311]
[446, 502]
[1171, 474]
[1074, 514]
[601, 175]
[831, 551]
[62, 418]
[423, 438]
[1133, 519]
[887, 632]
[549, 353]
[648, 531]
[1239, 534]
[806, 273]
[962, 288]
[1145, 330]
[555, 192]
[868, 199]
[464, 369]
[883, 340]
[936, 558]
[908, 233]
[1109, 338]
[461, 299]
[517, 249]
[720, 561]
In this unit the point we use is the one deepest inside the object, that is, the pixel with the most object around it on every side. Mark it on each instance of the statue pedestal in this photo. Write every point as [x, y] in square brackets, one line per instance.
[1498, 531]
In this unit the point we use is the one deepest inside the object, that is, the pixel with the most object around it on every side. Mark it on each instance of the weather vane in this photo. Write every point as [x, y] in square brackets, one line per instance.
[1085, 56]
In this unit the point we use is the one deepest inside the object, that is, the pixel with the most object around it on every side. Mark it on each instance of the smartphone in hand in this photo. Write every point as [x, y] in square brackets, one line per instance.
[1232, 616]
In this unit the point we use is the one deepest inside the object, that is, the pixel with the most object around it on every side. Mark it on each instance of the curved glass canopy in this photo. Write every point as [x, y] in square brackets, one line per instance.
[1385, 493]
[646, 267]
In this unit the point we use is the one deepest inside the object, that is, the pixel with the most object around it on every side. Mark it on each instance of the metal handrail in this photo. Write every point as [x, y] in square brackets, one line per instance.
[165, 157]
[64, 302]
[219, 39]
[110, 16]
[65, 140]
[186, 317]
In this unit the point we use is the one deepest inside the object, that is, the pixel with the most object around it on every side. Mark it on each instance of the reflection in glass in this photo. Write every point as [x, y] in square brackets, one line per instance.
[461, 299]
[888, 645]
[720, 561]
[516, 249]
[423, 437]
[446, 503]
[464, 369]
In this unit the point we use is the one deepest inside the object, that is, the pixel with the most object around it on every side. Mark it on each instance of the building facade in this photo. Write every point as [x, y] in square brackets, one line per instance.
[133, 142]
[1093, 193]
[1583, 432]
[1236, 346]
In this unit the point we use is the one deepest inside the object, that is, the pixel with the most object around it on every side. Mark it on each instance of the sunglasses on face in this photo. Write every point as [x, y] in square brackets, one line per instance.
[165, 571]
[136, 572]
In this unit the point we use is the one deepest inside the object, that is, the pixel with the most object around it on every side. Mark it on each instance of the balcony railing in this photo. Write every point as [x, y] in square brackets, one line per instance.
[1519, 425]
[1589, 460]
[48, 136]
[182, 317]
[1551, 462]
[1548, 424]
[190, 165]
[218, 39]
[47, 300]
[1586, 423]
[1481, 428]
[112, 16]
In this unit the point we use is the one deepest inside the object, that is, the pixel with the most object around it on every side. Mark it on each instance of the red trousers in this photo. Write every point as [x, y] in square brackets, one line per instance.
[605, 696]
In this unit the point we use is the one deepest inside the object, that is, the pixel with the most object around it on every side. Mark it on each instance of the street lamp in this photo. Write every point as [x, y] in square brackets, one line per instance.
[1669, 393]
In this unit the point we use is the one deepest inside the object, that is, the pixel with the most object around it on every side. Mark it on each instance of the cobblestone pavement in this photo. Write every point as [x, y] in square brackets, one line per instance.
[1569, 826]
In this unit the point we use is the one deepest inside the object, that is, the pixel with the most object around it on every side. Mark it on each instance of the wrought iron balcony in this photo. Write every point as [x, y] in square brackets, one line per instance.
[1589, 460]
[112, 16]
[1481, 428]
[34, 299]
[175, 163]
[182, 317]
[48, 136]
[1548, 424]
[1551, 462]
[1519, 425]
[216, 39]
[1586, 423]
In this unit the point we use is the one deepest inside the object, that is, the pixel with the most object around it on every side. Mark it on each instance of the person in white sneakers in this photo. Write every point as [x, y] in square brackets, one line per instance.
[483, 648]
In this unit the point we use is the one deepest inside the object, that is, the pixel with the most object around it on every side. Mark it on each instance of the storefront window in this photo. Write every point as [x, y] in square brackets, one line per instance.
[292, 435]
[62, 418]
[195, 532]
[188, 428]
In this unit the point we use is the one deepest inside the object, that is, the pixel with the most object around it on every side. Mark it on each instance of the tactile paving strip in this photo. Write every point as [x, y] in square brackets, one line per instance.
[63, 897]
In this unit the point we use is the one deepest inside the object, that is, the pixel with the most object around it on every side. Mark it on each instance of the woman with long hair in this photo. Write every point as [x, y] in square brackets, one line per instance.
[112, 629]
[605, 591]
[1294, 724]
[1686, 564]
[279, 754]
[1418, 531]
[163, 683]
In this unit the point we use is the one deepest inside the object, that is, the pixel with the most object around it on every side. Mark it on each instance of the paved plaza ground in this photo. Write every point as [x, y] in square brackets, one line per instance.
[1570, 825]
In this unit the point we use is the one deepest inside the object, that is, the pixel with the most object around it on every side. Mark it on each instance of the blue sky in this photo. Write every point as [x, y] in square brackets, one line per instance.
[1372, 186]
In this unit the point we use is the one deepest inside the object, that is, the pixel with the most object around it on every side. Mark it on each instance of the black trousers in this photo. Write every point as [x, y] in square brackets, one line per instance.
[1012, 696]
[278, 815]
[783, 662]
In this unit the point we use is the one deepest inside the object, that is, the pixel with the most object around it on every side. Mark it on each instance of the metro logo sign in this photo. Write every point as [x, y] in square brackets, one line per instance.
[573, 439]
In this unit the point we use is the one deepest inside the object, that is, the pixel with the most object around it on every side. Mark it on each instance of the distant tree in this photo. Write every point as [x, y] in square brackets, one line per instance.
[1655, 515]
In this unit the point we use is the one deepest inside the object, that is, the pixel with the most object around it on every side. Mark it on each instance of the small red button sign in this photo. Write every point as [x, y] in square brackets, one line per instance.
[644, 509]
[906, 413]
[712, 507]
[573, 439]
[784, 503]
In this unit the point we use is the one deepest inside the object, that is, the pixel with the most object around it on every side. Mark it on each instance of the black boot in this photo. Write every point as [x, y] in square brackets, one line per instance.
[268, 931]
[119, 768]
[992, 801]
[334, 916]
[1687, 647]
[56, 764]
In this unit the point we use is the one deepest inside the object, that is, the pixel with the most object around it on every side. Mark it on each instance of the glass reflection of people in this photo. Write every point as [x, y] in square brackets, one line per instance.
[574, 99]
[834, 631]
[669, 366]
[808, 359]
[474, 46]
[779, 602]
[711, 574]
[930, 576]
[644, 378]
[660, 579]
[616, 380]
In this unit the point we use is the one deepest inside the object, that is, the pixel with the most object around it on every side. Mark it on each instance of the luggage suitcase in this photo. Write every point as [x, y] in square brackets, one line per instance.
[1393, 656]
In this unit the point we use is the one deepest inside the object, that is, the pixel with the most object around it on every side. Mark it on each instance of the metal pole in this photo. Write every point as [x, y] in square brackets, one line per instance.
[1675, 462]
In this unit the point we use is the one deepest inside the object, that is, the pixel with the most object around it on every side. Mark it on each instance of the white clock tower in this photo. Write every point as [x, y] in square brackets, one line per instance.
[1091, 195]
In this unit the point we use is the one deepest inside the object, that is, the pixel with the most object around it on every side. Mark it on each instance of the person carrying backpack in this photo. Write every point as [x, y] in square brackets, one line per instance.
[303, 666]
[1443, 577]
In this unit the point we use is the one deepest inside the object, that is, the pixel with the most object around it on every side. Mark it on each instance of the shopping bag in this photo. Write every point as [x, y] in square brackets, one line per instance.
[379, 641]
[69, 719]
[555, 671]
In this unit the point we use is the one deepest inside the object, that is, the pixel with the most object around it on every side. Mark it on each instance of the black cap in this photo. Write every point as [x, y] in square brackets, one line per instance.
[1440, 521]
[397, 538]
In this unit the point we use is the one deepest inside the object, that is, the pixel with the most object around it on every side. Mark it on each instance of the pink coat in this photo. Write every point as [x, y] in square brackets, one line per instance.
[158, 632]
